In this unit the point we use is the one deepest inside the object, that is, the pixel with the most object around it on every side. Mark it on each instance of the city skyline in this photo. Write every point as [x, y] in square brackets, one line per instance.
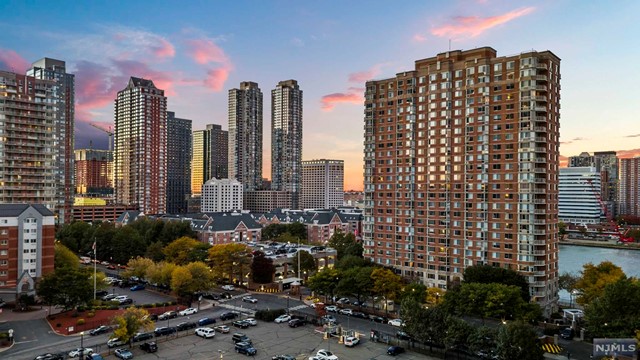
[331, 49]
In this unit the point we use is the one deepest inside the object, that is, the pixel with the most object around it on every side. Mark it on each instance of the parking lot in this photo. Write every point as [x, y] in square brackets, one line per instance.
[269, 339]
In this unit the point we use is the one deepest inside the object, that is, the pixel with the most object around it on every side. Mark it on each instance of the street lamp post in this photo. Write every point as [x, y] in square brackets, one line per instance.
[81, 343]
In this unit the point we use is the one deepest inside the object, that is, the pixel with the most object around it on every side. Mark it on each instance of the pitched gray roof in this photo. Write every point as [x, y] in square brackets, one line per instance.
[12, 210]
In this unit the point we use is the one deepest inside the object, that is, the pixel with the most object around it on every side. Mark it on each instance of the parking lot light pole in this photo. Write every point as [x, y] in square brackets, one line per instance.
[82, 343]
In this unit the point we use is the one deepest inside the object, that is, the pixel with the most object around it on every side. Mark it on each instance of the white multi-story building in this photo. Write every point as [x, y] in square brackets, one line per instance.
[322, 184]
[579, 195]
[220, 195]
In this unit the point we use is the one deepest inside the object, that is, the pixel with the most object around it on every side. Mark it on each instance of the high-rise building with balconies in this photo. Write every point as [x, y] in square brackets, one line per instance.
[286, 139]
[461, 168]
[629, 191]
[140, 155]
[245, 135]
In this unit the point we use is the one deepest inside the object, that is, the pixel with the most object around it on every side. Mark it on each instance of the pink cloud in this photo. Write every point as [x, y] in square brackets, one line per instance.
[204, 51]
[473, 26]
[164, 49]
[330, 101]
[419, 38]
[161, 80]
[362, 76]
[12, 61]
[216, 78]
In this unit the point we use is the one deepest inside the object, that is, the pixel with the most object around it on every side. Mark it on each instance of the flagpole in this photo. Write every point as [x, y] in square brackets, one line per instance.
[95, 261]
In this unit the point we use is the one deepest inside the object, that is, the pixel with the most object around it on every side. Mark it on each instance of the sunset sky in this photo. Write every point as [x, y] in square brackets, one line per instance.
[197, 50]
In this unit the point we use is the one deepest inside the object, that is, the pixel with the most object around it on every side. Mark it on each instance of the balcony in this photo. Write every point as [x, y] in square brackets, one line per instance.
[542, 66]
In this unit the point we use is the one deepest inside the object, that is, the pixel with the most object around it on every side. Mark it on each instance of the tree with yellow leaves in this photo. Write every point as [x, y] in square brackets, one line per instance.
[229, 261]
[594, 279]
[179, 250]
[130, 322]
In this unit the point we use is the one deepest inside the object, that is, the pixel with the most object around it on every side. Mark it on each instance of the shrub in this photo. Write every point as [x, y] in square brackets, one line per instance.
[80, 321]
[81, 308]
[91, 314]
[113, 307]
[269, 315]
[58, 325]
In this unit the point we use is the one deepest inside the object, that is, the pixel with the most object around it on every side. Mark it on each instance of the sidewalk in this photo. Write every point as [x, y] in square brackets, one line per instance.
[8, 315]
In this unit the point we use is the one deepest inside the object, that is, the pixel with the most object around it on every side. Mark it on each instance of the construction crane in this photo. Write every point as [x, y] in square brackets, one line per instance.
[622, 237]
[109, 132]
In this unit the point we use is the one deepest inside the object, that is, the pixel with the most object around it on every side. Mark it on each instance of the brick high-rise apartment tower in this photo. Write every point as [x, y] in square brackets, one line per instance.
[140, 154]
[461, 168]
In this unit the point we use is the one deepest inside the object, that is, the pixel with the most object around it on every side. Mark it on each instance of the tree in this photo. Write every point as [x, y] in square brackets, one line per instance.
[172, 230]
[64, 257]
[181, 281]
[138, 267]
[272, 231]
[386, 284]
[483, 339]
[615, 313]
[262, 268]
[567, 281]
[199, 253]
[414, 317]
[201, 275]
[155, 251]
[562, 229]
[298, 230]
[130, 322]
[74, 235]
[594, 278]
[356, 282]
[345, 244]
[127, 244]
[324, 282]
[178, 251]
[486, 274]
[434, 296]
[416, 291]
[230, 260]
[517, 340]
[456, 334]
[351, 261]
[161, 273]
[307, 262]
[67, 287]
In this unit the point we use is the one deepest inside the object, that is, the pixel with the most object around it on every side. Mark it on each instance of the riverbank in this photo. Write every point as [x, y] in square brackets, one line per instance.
[610, 244]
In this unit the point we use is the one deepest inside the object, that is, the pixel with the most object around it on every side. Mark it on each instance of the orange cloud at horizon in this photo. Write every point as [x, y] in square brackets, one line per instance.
[473, 26]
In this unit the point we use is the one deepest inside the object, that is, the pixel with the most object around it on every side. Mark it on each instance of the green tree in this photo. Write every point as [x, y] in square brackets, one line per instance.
[130, 322]
[103, 234]
[161, 273]
[456, 334]
[351, 261]
[567, 281]
[483, 339]
[262, 268]
[127, 244]
[199, 253]
[517, 340]
[345, 244]
[155, 251]
[415, 290]
[229, 261]
[486, 274]
[64, 257]
[356, 282]
[172, 230]
[307, 263]
[138, 267]
[298, 230]
[273, 231]
[615, 313]
[67, 287]
[562, 229]
[202, 277]
[325, 282]
[386, 284]
[179, 250]
[594, 278]
[73, 235]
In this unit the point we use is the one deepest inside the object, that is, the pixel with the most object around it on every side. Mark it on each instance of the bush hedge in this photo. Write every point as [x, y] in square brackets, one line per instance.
[80, 321]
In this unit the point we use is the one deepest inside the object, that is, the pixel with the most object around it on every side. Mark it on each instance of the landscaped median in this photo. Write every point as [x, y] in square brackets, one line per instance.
[84, 319]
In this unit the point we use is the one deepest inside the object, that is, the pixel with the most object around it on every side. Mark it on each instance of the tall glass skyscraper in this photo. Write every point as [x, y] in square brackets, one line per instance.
[178, 160]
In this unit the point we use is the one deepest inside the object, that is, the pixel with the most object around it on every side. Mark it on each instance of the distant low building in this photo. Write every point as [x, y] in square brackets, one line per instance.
[266, 200]
[321, 224]
[579, 195]
[219, 195]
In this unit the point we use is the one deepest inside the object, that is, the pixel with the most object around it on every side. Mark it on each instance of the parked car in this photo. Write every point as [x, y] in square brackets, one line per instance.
[316, 305]
[120, 298]
[222, 328]
[347, 312]
[165, 330]
[206, 321]
[186, 326]
[283, 357]
[94, 357]
[101, 293]
[102, 329]
[359, 303]
[359, 314]
[126, 301]
[378, 319]
[124, 354]
[251, 321]
[566, 333]
[80, 352]
[168, 315]
[240, 337]
[211, 296]
[246, 348]
[351, 341]
[395, 350]
[142, 336]
[115, 342]
[328, 319]
[403, 335]
[343, 301]
[137, 287]
[226, 295]
[228, 316]
[323, 354]
[109, 297]
[282, 318]
[205, 332]
[249, 299]
[294, 323]
[49, 356]
[188, 311]
[240, 324]
[149, 347]
[331, 308]
[228, 287]
[396, 322]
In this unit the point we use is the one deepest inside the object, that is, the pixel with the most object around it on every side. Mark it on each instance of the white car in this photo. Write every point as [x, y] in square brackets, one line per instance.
[120, 298]
[396, 322]
[78, 351]
[283, 318]
[188, 311]
[331, 308]
[249, 299]
[114, 342]
[228, 287]
[251, 321]
[316, 305]
[323, 354]
[222, 328]
[351, 341]
[347, 312]
[205, 332]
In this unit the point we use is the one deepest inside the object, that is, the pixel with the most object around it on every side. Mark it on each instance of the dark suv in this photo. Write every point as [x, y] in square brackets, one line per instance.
[167, 330]
[240, 337]
[228, 316]
[142, 337]
[246, 348]
[149, 347]
[186, 326]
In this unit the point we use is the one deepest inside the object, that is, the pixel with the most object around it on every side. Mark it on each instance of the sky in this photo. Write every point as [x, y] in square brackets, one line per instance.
[197, 50]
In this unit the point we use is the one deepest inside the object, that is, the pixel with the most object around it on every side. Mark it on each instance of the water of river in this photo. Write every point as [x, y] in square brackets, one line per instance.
[572, 258]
